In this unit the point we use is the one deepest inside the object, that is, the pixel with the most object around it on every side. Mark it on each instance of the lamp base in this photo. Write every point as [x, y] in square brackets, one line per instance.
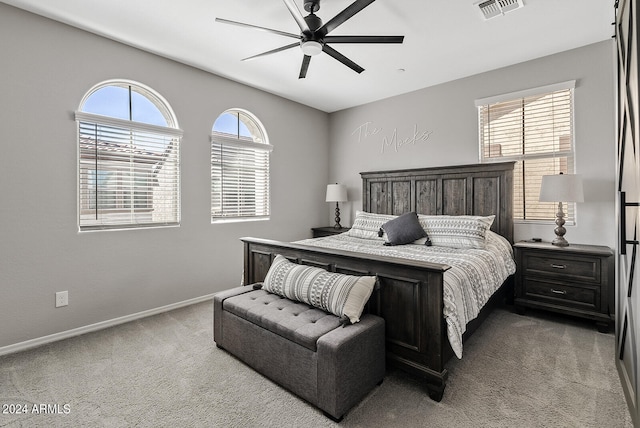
[337, 225]
[559, 241]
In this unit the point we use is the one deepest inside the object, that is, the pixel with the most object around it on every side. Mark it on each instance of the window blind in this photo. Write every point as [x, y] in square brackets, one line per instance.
[535, 130]
[128, 173]
[239, 177]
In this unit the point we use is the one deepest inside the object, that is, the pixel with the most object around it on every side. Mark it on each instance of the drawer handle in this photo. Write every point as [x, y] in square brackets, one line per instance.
[558, 291]
[558, 266]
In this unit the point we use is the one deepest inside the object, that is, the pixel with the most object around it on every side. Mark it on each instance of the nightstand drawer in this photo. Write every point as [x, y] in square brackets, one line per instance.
[582, 268]
[564, 294]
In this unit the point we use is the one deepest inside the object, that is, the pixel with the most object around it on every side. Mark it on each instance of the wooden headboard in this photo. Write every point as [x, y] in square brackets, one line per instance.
[482, 189]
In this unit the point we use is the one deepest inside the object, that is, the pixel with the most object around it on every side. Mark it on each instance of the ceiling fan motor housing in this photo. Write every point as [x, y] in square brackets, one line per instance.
[313, 22]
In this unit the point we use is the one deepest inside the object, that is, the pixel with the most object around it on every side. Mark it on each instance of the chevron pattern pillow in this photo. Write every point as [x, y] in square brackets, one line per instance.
[456, 231]
[339, 294]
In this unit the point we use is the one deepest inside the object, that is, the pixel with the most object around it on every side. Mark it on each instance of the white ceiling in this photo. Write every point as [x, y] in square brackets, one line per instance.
[444, 40]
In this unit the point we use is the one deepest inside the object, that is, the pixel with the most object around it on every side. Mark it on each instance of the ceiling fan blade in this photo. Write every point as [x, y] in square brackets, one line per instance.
[256, 27]
[292, 45]
[297, 15]
[305, 66]
[364, 39]
[340, 18]
[343, 59]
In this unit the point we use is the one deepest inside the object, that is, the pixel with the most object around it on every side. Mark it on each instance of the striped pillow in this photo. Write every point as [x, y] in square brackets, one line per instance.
[456, 231]
[341, 295]
[367, 225]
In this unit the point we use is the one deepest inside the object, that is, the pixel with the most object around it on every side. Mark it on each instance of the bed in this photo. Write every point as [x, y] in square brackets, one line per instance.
[412, 291]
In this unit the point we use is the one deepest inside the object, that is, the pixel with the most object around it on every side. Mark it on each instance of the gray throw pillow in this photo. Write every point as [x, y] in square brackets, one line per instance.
[403, 229]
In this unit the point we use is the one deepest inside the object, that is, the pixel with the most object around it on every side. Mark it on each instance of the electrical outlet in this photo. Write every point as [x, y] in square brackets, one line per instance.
[62, 298]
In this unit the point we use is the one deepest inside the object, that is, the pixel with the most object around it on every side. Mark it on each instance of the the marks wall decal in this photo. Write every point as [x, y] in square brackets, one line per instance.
[394, 140]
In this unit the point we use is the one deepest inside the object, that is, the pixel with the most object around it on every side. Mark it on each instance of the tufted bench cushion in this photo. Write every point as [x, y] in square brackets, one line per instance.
[295, 321]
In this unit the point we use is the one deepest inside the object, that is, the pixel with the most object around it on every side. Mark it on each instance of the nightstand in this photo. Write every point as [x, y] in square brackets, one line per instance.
[319, 232]
[575, 280]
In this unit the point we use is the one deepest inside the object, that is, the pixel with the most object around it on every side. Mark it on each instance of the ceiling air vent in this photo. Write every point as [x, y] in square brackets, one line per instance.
[492, 8]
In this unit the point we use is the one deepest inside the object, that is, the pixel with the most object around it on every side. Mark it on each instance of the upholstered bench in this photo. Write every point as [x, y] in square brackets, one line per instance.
[306, 350]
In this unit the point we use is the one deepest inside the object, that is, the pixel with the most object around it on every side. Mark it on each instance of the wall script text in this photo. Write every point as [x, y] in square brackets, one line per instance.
[393, 141]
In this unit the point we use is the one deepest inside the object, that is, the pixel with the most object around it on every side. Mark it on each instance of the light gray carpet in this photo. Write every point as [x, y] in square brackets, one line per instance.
[165, 371]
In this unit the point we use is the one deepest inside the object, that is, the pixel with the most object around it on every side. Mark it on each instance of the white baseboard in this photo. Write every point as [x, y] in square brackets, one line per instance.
[28, 344]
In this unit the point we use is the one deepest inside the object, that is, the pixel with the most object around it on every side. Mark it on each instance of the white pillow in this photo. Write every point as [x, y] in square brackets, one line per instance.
[456, 231]
[339, 294]
[367, 225]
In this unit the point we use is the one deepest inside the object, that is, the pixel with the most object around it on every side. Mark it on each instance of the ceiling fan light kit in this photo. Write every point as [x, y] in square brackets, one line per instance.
[314, 38]
[311, 47]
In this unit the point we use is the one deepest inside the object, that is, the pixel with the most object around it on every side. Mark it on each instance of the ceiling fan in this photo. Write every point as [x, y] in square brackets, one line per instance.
[313, 38]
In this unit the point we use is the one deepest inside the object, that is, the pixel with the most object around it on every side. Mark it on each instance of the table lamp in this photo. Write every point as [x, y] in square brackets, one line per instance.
[337, 193]
[561, 188]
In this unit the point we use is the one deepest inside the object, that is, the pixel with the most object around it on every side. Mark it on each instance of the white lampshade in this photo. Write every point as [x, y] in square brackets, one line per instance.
[561, 188]
[336, 193]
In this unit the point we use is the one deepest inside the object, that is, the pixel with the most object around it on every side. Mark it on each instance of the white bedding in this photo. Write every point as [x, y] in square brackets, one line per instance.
[474, 276]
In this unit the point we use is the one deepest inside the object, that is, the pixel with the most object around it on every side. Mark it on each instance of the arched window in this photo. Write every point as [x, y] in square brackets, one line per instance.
[128, 158]
[239, 167]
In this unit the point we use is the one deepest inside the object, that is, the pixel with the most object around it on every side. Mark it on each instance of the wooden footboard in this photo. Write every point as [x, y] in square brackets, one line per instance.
[409, 297]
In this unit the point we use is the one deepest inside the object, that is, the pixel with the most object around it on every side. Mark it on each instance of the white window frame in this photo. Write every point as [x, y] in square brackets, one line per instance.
[521, 159]
[237, 148]
[137, 145]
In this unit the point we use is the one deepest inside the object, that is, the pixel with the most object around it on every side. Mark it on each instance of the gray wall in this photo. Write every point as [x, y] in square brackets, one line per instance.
[439, 126]
[46, 68]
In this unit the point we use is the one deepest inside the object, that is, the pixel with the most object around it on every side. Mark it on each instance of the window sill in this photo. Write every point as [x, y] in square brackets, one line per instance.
[543, 222]
[238, 220]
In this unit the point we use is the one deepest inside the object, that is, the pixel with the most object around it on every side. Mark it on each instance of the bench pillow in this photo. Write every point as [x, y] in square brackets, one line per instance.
[339, 294]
